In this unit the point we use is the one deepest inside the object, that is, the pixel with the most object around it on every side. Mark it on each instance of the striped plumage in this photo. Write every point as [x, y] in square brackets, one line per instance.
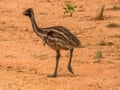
[59, 37]
[56, 37]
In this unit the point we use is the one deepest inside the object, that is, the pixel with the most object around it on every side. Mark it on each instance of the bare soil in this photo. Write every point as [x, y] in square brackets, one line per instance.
[25, 62]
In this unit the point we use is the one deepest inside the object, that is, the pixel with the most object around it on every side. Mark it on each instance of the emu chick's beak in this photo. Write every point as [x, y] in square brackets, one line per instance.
[25, 13]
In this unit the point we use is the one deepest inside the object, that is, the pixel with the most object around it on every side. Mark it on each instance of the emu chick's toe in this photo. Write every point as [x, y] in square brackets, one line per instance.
[70, 69]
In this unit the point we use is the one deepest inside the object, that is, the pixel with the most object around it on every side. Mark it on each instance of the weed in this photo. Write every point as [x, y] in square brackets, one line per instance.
[69, 8]
[98, 55]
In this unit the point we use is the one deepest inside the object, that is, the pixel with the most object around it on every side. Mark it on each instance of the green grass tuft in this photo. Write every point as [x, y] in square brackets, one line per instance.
[69, 8]
[98, 55]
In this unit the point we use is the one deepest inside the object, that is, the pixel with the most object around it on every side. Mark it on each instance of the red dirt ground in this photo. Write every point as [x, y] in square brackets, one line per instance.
[25, 62]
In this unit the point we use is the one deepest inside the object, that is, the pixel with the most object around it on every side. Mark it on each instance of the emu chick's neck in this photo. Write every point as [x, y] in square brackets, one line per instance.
[37, 30]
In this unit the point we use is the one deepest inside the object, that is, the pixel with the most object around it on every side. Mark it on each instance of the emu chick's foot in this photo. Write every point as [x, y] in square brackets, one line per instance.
[52, 76]
[70, 69]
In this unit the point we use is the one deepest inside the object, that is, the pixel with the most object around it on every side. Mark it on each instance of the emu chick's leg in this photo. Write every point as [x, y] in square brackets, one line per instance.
[69, 64]
[57, 61]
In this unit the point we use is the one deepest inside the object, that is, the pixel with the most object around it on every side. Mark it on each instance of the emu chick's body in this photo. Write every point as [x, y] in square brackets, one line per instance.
[59, 37]
[56, 37]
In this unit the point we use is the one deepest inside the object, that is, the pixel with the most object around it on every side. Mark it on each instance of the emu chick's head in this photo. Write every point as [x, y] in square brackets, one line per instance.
[28, 12]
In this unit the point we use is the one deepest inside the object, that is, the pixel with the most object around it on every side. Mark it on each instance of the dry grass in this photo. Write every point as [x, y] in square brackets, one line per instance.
[105, 43]
[113, 25]
[98, 56]
[99, 15]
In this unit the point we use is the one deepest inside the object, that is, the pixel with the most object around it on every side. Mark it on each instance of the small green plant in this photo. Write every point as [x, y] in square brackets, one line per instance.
[69, 8]
[98, 55]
